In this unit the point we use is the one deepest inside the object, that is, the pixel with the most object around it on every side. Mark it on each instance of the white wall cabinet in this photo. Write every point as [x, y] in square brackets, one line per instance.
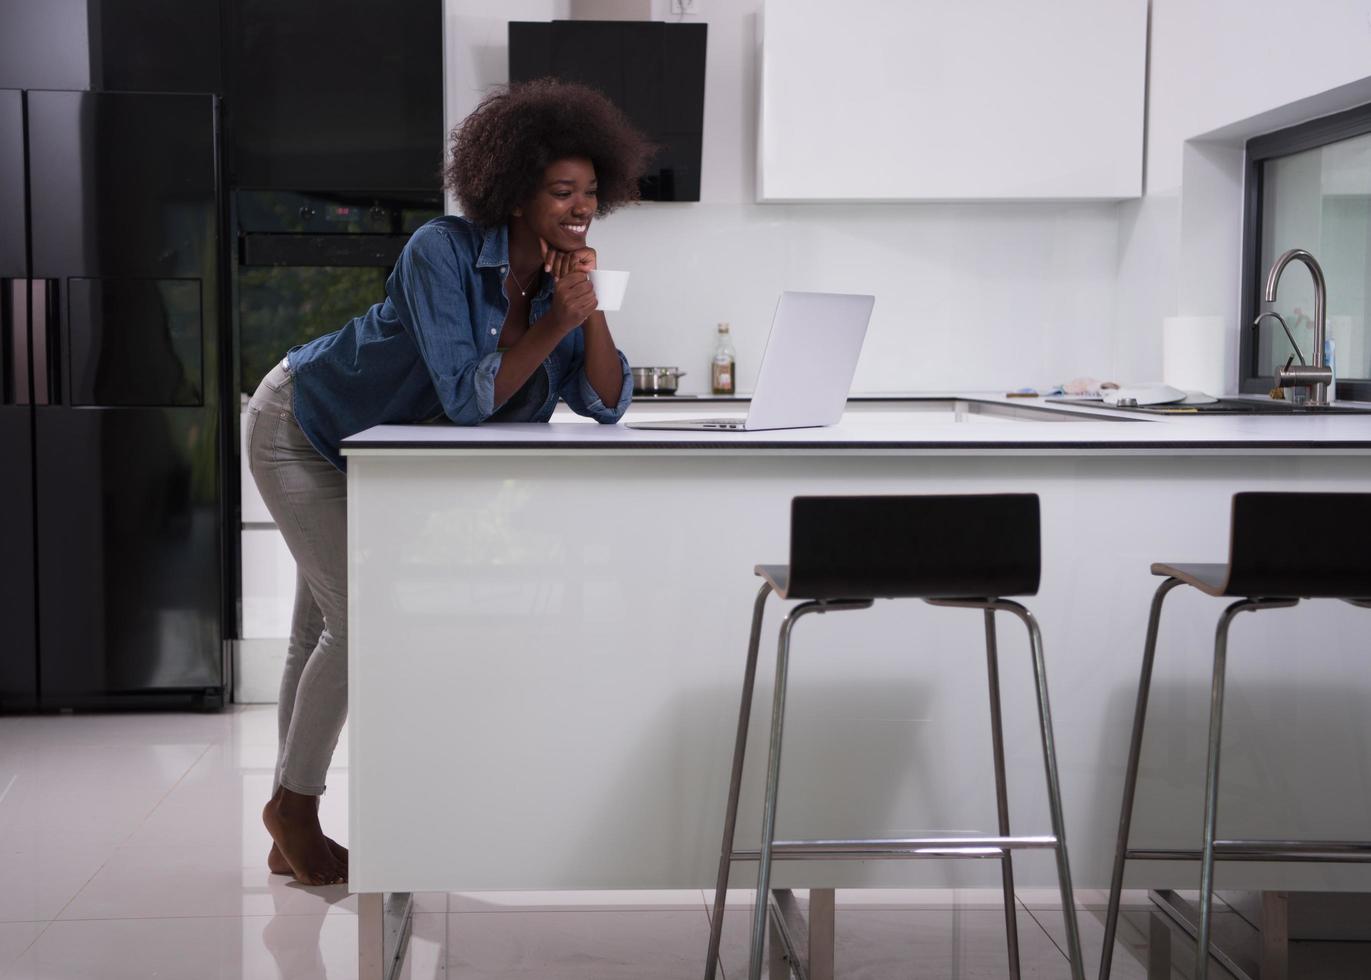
[923, 100]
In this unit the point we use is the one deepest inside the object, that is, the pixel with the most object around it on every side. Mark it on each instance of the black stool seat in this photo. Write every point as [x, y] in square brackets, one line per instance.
[1269, 567]
[967, 551]
[910, 547]
[1266, 559]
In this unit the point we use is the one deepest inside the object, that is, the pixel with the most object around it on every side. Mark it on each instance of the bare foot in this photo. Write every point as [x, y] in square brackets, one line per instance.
[278, 865]
[292, 819]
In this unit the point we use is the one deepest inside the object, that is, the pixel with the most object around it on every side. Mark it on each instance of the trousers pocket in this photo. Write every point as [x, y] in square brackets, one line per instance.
[276, 379]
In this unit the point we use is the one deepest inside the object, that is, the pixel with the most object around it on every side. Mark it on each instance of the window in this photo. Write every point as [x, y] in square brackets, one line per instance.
[1309, 187]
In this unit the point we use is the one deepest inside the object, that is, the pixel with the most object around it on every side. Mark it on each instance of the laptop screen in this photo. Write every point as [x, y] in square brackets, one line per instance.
[810, 359]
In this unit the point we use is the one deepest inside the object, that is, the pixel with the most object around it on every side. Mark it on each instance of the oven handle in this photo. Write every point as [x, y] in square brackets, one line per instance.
[43, 303]
[346, 251]
[18, 328]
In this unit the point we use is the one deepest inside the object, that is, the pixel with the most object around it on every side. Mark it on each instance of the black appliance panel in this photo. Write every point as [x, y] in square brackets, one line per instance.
[321, 250]
[125, 228]
[44, 44]
[335, 94]
[13, 260]
[129, 579]
[155, 46]
[142, 342]
[126, 186]
[18, 637]
[18, 640]
[654, 72]
[295, 213]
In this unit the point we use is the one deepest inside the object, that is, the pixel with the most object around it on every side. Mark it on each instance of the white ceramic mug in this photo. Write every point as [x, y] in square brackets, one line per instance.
[609, 287]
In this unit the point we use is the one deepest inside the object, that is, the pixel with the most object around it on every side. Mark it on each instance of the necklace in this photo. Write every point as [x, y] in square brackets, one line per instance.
[523, 290]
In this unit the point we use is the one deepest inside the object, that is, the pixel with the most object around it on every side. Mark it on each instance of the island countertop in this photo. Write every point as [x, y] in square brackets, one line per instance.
[551, 620]
[937, 424]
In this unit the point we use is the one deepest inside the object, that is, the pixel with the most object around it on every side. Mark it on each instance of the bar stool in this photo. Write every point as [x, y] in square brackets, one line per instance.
[1266, 576]
[846, 552]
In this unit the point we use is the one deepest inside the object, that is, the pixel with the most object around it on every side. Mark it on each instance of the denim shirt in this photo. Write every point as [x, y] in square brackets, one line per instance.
[428, 350]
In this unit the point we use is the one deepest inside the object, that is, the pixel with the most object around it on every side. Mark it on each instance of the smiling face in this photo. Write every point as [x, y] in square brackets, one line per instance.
[563, 205]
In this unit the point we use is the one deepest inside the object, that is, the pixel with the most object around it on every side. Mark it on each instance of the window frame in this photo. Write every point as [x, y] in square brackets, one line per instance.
[1260, 149]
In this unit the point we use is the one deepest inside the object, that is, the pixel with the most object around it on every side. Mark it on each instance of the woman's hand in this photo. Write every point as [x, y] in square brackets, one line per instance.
[563, 263]
[573, 299]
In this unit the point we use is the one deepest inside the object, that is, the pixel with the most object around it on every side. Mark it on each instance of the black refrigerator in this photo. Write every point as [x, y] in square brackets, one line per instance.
[111, 551]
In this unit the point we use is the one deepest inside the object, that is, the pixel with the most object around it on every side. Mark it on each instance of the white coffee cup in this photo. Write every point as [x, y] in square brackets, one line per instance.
[609, 288]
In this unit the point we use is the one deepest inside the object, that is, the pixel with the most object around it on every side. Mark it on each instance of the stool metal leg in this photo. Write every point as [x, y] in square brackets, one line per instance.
[1054, 793]
[716, 921]
[1011, 919]
[1211, 775]
[1130, 779]
[1054, 796]
[1211, 788]
[773, 777]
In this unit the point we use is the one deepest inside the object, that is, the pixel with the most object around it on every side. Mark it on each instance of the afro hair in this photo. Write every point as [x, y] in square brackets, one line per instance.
[500, 151]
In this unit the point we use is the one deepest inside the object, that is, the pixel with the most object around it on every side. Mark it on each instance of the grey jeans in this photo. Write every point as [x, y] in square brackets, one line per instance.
[307, 497]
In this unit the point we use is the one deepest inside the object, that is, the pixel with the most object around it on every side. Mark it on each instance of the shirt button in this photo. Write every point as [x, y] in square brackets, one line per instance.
[492, 330]
[503, 269]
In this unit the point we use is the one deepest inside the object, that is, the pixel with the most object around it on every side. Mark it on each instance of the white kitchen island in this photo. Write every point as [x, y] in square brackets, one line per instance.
[548, 627]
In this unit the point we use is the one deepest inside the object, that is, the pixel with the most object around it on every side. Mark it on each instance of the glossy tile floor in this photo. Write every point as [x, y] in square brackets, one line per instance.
[131, 847]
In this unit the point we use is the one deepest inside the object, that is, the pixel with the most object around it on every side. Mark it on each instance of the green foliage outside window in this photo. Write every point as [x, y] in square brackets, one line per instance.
[279, 308]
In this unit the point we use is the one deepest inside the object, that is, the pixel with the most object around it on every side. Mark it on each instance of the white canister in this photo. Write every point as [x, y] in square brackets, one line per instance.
[1195, 354]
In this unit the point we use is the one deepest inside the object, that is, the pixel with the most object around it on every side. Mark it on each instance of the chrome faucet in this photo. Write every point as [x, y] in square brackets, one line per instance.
[1318, 376]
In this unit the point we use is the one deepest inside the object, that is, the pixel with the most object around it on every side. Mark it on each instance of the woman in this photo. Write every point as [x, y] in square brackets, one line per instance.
[487, 317]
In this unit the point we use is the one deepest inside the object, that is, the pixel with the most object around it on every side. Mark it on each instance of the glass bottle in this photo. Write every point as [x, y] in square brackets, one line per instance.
[721, 372]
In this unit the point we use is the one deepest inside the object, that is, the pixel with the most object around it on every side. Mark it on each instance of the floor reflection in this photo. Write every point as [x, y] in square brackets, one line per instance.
[133, 847]
[294, 940]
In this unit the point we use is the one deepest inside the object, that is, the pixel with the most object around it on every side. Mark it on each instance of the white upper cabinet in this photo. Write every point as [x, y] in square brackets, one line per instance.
[930, 100]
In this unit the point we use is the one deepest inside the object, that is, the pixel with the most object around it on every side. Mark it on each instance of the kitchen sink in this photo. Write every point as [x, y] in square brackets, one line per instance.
[1227, 406]
[973, 410]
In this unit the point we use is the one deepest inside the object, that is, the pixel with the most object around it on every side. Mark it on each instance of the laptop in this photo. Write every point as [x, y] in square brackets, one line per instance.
[807, 367]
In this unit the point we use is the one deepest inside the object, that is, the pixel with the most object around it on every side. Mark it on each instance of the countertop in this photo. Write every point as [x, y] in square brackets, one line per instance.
[913, 424]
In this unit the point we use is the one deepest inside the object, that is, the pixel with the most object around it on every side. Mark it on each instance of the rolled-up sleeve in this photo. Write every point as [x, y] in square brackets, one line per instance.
[483, 378]
[578, 392]
[427, 290]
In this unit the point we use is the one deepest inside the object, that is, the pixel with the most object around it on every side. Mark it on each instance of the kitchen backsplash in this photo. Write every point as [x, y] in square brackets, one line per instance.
[966, 295]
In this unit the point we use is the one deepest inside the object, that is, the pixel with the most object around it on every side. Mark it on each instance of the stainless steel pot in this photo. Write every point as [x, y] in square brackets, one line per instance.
[655, 380]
